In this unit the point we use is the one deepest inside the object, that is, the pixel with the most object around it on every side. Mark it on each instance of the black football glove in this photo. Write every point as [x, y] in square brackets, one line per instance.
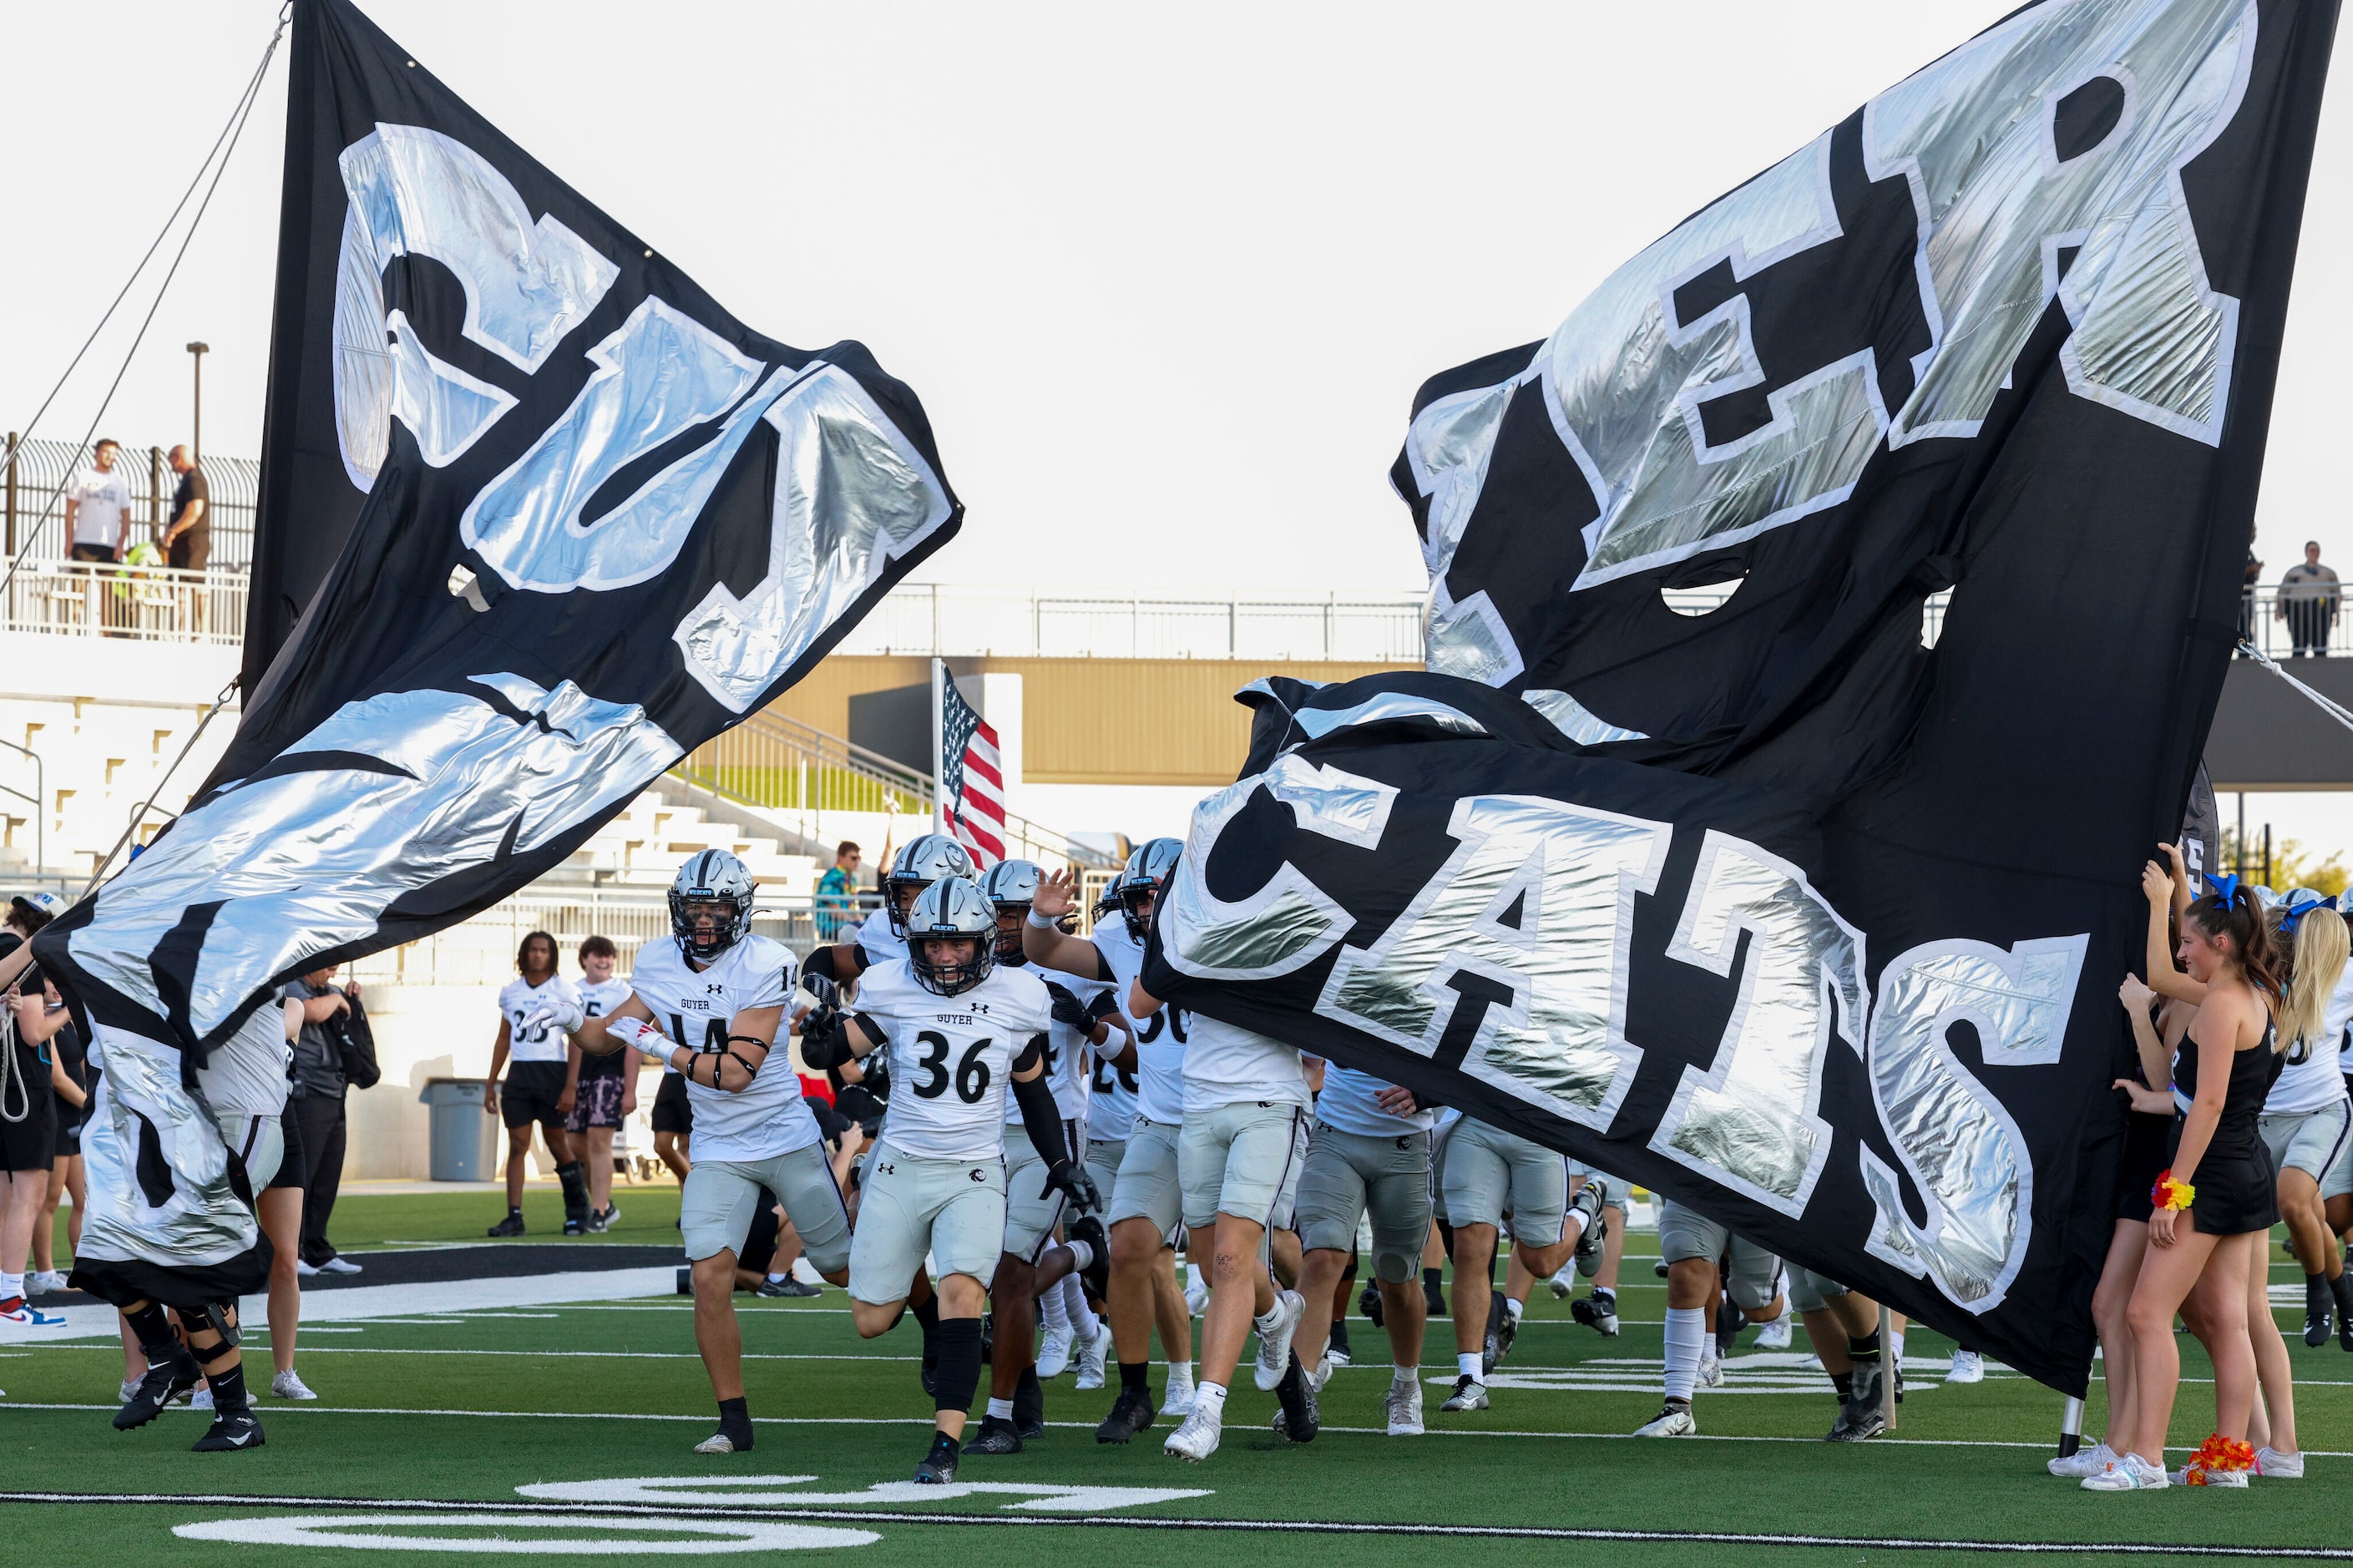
[823, 1043]
[1074, 1183]
[1069, 1011]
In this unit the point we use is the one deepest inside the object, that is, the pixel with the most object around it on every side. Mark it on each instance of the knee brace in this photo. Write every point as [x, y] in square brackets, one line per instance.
[221, 1318]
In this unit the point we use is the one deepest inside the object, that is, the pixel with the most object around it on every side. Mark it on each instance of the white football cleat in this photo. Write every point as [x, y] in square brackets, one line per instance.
[1092, 1357]
[286, 1386]
[1711, 1373]
[202, 1398]
[1672, 1421]
[1564, 1282]
[1402, 1405]
[1179, 1397]
[1774, 1335]
[1274, 1339]
[717, 1443]
[1197, 1440]
[1196, 1297]
[1054, 1355]
[1968, 1367]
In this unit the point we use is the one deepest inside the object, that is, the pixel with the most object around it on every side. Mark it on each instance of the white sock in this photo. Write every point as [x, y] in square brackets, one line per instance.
[11, 1285]
[1083, 1322]
[1001, 1409]
[1082, 1254]
[1468, 1366]
[1181, 1372]
[1209, 1400]
[1686, 1334]
[786, 1275]
[1405, 1377]
[1513, 1308]
[1050, 1308]
[1272, 1318]
[1199, 1275]
[1897, 1339]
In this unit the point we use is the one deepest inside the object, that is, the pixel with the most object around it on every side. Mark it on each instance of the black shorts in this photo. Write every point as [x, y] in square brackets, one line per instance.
[69, 1139]
[672, 1112]
[293, 1166]
[30, 1144]
[530, 1093]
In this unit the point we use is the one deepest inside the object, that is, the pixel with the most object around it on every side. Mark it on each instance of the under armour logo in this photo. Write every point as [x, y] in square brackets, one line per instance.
[715, 987]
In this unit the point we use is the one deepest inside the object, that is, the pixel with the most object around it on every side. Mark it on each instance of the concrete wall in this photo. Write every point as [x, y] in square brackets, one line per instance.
[2267, 735]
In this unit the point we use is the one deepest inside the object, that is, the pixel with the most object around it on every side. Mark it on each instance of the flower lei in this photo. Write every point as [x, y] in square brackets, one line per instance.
[2218, 1455]
[2170, 1193]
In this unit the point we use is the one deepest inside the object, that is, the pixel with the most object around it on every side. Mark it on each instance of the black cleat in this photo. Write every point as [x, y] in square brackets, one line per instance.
[2318, 1310]
[574, 1227]
[167, 1382]
[939, 1466]
[1505, 1333]
[1659, 1268]
[1860, 1418]
[790, 1288]
[929, 1373]
[998, 1436]
[231, 1432]
[1595, 1236]
[1096, 1276]
[1494, 1350]
[1368, 1303]
[1729, 1321]
[1297, 1420]
[511, 1226]
[1597, 1311]
[1130, 1414]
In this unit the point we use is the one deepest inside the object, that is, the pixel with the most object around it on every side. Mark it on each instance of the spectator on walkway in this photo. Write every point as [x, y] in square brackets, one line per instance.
[837, 893]
[2247, 600]
[97, 507]
[317, 1102]
[2308, 597]
[188, 537]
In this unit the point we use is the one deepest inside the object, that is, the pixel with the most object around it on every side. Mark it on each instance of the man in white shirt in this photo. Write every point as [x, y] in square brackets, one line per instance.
[97, 507]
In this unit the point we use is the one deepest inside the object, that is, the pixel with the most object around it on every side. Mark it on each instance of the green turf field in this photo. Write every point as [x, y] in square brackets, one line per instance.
[551, 1421]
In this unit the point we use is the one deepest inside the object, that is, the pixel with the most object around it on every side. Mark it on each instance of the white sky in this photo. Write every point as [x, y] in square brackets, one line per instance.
[1165, 278]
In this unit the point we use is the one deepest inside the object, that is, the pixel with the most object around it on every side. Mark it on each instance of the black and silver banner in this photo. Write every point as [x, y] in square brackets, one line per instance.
[549, 517]
[1825, 626]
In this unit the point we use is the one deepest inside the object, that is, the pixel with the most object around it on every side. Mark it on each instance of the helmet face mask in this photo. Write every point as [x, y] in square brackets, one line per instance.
[1139, 886]
[711, 904]
[921, 863]
[952, 937]
[1011, 887]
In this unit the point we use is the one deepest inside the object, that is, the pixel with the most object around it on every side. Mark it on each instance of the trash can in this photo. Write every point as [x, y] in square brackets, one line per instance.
[465, 1136]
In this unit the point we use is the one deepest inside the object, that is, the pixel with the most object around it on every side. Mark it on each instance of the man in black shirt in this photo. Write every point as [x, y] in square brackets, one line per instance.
[188, 537]
[317, 1103]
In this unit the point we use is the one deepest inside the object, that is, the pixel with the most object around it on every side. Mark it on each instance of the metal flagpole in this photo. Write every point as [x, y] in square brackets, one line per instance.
[1887, 1364]
[2070, 1428]
[939, 745]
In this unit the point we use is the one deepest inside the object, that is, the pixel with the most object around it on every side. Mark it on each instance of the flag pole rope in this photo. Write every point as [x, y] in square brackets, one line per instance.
[232, 133]
[2327, 705]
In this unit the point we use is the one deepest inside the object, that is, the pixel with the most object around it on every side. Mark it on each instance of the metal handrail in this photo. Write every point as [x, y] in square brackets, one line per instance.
[39, 797]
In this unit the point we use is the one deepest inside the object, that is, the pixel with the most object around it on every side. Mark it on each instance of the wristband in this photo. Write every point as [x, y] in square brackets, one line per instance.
[2170, 1193]
[1043, 922]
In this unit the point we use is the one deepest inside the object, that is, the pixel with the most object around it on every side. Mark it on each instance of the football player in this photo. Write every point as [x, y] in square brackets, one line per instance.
[958, 1031]
[1486, 1171]
[1844, 1325]
[532, 1058]
[603, 1089]
[1692, 1244]
[883, 936]
[1598, 1309]
[711, 1003]
[1033, 1210]
[1370, 1152]
[1237, 1160]
[1146, 1206]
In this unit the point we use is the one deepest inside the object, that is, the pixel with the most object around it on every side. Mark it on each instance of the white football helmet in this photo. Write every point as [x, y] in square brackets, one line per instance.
[710, 877]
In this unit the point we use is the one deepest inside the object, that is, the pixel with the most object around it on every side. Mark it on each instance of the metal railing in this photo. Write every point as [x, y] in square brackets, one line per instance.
[926, 618]
[32, 473]
[804, 777]
[145, 604]
[2301, 621]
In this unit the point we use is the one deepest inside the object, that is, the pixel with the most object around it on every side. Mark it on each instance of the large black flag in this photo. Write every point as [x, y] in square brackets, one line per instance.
[1773, 906]
[580, 520]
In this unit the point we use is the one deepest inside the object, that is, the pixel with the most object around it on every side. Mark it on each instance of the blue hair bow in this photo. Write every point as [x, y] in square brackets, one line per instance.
[2296, 912]
[2225, 887]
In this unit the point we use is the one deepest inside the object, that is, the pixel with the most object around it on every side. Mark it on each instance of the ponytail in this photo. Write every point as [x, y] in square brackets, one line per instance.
[2236, 916]
[2313, 942]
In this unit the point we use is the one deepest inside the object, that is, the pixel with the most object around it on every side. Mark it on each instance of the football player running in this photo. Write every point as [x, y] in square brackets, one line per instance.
[1370, 1151]
[1146, 1206]
[1691, 1244]
[1033, 1209]
[957, 1030]
[1488, 1171]
[711, 1004]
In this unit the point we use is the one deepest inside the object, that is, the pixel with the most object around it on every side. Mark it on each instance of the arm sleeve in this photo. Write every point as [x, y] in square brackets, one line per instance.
[1040, 1117]
[819, 966]
[872, 1030]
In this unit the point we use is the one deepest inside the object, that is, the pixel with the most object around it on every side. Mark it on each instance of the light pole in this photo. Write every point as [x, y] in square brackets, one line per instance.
[196, 352]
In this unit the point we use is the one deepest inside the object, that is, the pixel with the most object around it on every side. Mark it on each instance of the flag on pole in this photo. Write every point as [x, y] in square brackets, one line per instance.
[971, 772]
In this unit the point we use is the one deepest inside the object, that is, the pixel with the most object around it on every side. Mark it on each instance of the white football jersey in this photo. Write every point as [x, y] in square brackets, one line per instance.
[696, 1007]
[1347, 1105]
[1159, 1040]
[951, 1056]
[602, 997]
[1066, 1048]
[876, 941]
[517, 1002]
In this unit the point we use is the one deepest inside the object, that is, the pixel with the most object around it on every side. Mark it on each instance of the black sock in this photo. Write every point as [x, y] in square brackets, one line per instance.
[2317, 1294]
[959, 1375]
[514, 1212]
[152, 1329]
[1132, 1378]
[927, 1315]
[1340, 1333]
[1431, 1277]
[229, 1389]
[2342, 1288]
[1844, 1383]
[736, 1420]
[1865, 1349]
[1027, 1385]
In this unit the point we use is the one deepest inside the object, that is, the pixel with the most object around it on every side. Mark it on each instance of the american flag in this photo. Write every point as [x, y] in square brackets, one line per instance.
[972, 778]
